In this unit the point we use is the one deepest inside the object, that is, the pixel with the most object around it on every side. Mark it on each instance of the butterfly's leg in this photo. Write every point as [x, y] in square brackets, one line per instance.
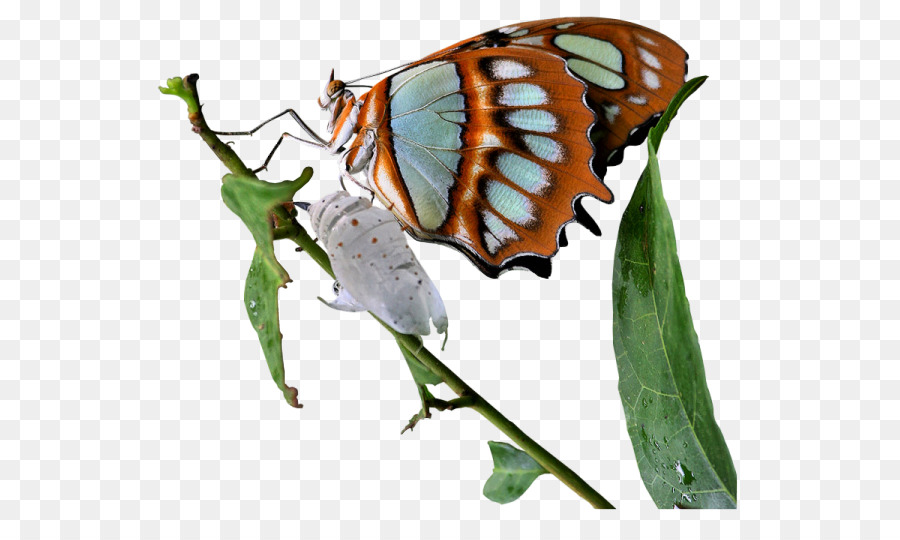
[346, 175]
[319, 141]
[353, 161]
[275, 148]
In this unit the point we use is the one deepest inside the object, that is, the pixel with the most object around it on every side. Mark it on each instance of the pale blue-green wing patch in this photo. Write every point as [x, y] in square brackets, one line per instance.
[426, 113]
[596, 60]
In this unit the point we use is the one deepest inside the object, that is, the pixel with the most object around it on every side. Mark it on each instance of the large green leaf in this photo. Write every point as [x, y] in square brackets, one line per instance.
[681, 453]
[514, 472]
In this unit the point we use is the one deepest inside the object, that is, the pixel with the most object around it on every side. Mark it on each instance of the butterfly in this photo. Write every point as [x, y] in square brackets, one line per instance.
[490, 145]
[375, 269]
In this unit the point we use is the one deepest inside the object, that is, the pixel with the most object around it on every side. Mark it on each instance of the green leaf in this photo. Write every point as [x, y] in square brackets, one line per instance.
[421, 374]
[260, 206]
[261, 301]
[514, 472]
[681, 453]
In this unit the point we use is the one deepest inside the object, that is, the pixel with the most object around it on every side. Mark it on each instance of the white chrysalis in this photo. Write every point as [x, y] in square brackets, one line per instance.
[374, 267]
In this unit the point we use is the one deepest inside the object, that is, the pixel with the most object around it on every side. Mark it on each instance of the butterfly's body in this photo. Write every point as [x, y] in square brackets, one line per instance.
[490, 144]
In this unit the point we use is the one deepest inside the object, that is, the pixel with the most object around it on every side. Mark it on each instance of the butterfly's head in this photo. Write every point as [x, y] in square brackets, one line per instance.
[333, 91]
[334, 98]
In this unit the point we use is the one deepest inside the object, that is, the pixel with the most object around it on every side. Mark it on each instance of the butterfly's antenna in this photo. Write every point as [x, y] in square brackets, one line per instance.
[377, 74]
[302, 205]
[358, 85]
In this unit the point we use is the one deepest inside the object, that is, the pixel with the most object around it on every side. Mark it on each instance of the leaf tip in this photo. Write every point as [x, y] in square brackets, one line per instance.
[290, 394]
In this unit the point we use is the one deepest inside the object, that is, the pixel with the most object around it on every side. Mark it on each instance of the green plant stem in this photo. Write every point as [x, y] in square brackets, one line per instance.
[223, 151]
[410, 343]
[480, 405]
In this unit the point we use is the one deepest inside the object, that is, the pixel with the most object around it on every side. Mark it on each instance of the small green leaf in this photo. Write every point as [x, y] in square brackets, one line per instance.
[261, 301]
[514, 472]
[681, 452]
[421, 374]
[259, 205]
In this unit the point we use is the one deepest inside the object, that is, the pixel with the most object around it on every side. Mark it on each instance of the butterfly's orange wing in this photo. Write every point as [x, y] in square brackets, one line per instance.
[488, 145]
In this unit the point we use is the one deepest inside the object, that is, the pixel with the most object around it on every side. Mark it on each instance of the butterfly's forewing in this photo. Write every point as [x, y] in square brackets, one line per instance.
[630, 71]
[489, 144]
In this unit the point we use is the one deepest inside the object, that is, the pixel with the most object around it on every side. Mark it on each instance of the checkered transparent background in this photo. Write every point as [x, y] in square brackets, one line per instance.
[134, 400]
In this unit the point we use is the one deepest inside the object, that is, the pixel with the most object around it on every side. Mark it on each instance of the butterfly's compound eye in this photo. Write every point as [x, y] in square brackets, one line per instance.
[335, 88]
[337, 288]
[332, 90]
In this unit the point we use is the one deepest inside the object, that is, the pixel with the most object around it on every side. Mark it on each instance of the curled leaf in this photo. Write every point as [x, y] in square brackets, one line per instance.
[260, 205]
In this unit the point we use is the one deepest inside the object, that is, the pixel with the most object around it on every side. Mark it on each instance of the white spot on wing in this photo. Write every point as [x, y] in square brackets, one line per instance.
[611, 111]
[563, 26]
[645, 39]
[489, 139]
[518, 33]
[651, 79]
[507, 29]
[637, 100]
[648, 58]
[509, 69]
